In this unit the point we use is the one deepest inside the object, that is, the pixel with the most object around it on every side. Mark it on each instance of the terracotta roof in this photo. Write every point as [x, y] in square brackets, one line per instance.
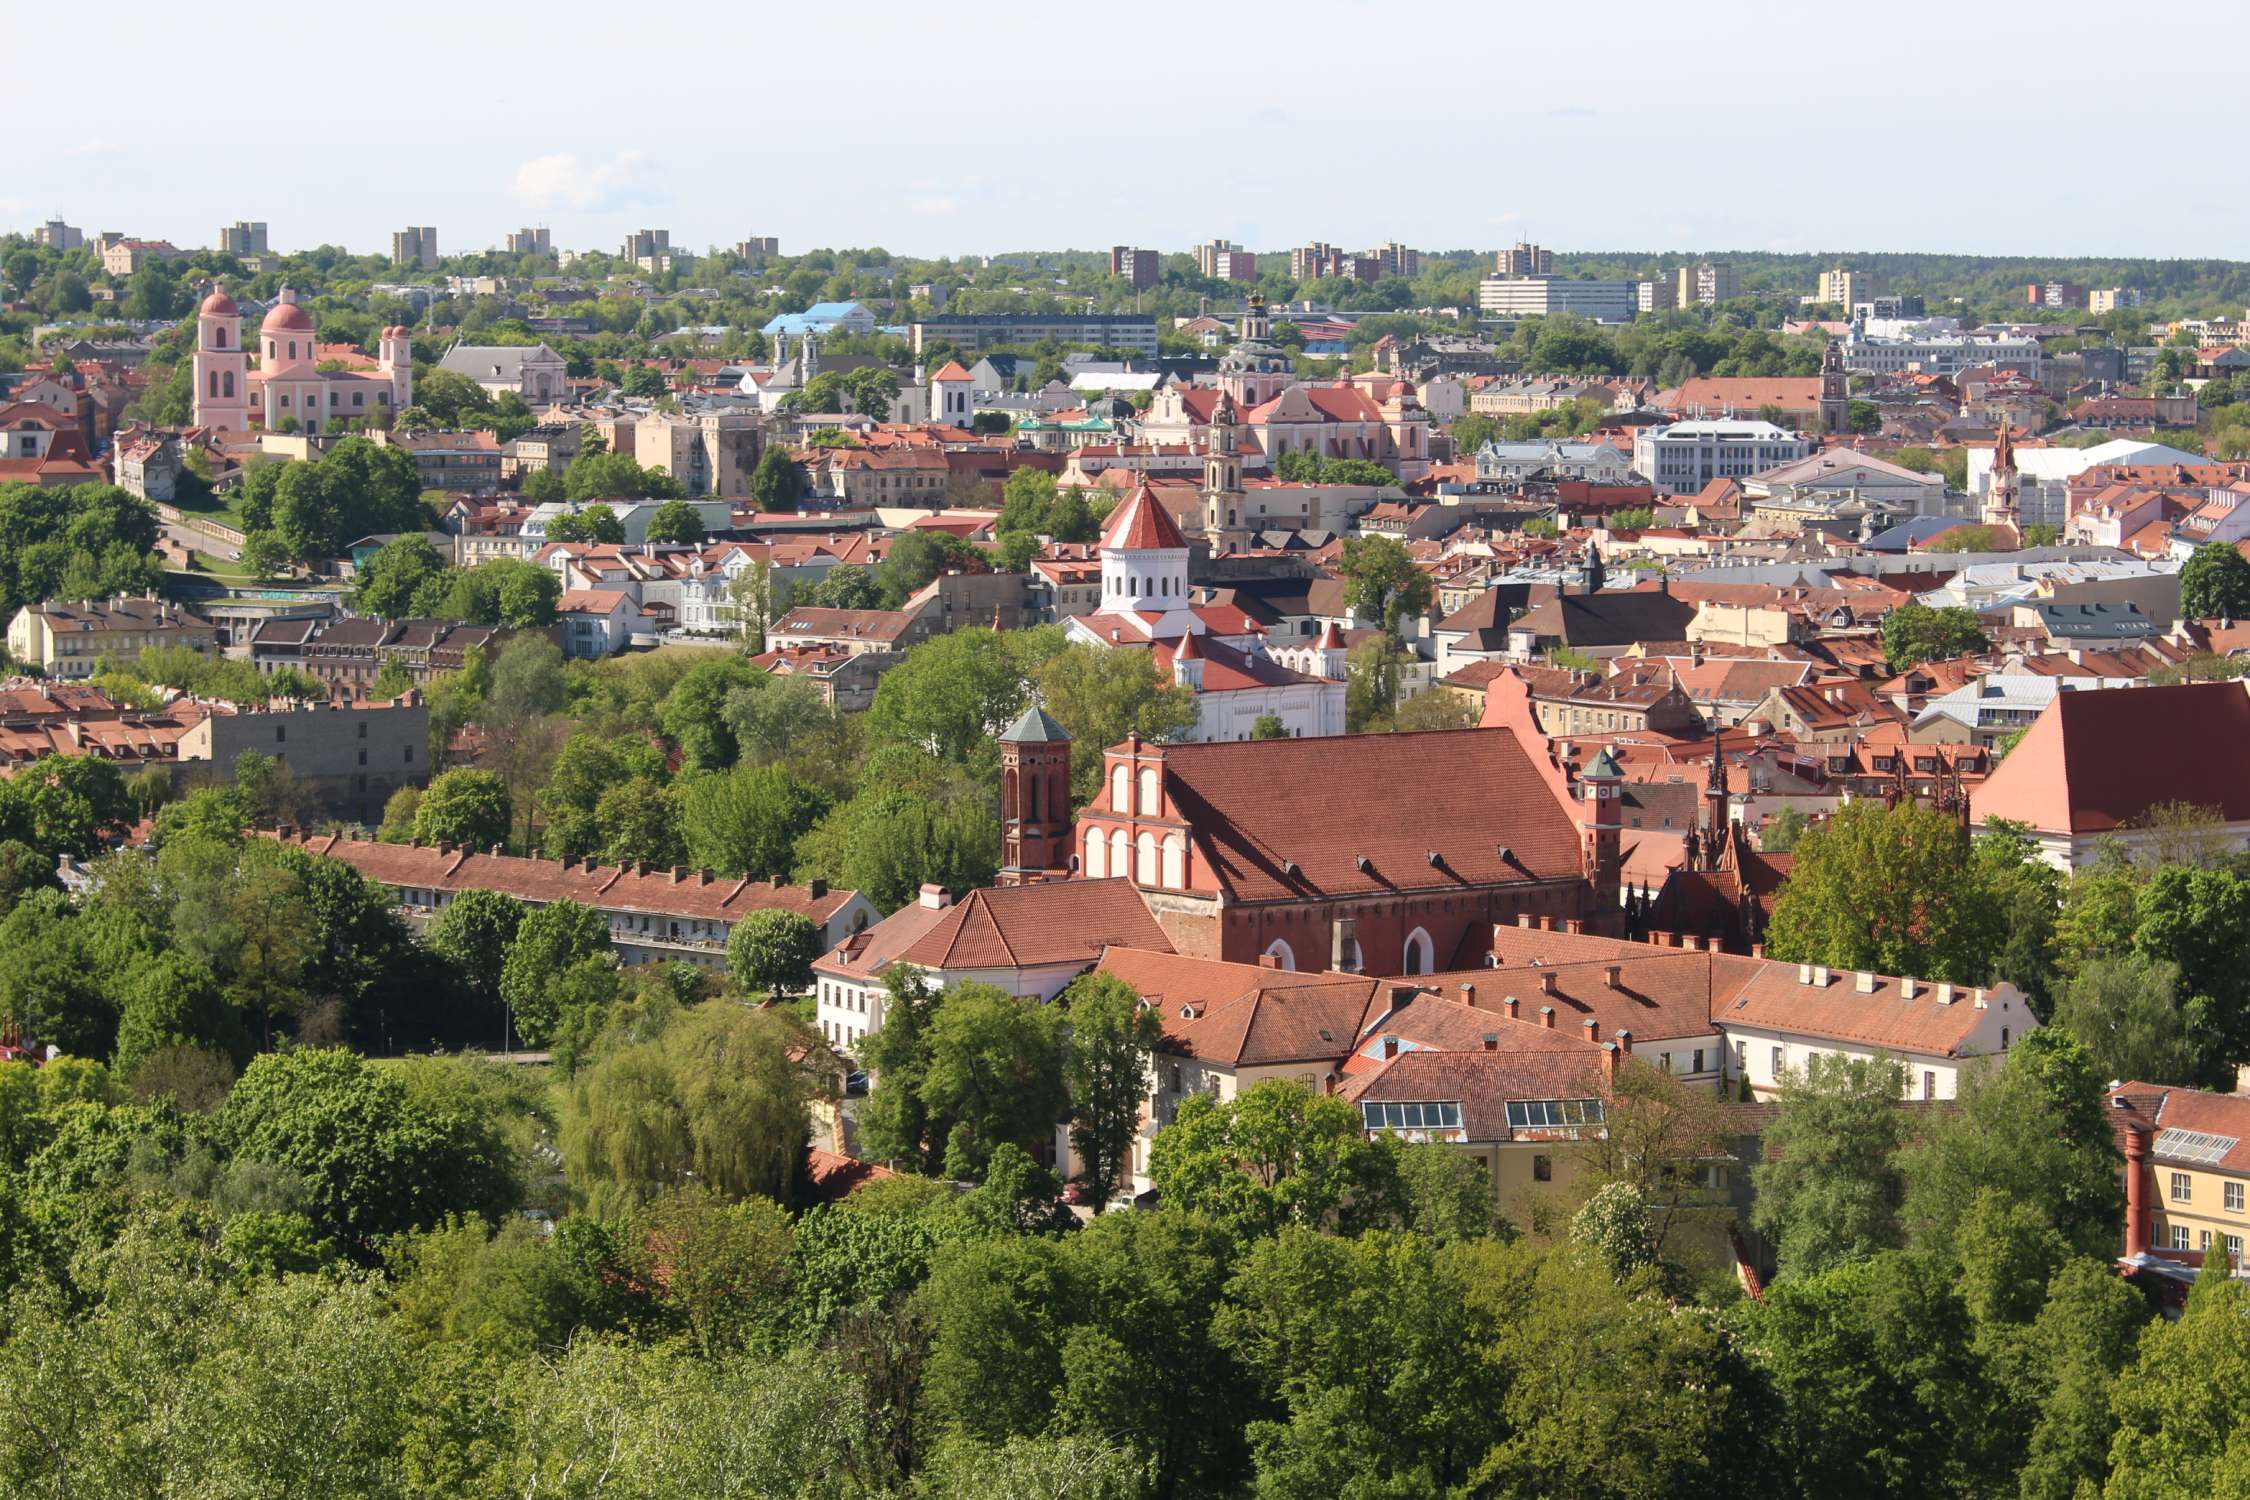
[1529, 1064]
[1143, 524]
[2213, 1129]
[1260, 807]
[1776, 997]
[950, 370]
[1247, 1014]
[1032, 926]
[865, 954]
[676, 892]
[2098, 760]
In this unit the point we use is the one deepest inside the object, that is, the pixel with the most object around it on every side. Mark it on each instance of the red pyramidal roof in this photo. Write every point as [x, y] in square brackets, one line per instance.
[1142, 524]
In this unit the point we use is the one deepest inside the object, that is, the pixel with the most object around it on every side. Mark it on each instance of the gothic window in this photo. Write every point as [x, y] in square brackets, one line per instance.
[1278, 949]
[214, 382]
[1420, 958]
[226, 380]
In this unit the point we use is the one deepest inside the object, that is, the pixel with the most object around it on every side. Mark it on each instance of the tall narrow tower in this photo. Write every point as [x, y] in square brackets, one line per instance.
[1035, 826]
[1223, 500]
[222, 369]
[2000, 495]
[1835, 391]
[1601, 823]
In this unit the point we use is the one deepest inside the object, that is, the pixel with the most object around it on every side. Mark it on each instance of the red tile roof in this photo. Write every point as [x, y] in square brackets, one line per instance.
[1032, 926]
[1143, 524]
[1323, 805]
[638, 888]
[1247, 1014]
[2098, 760]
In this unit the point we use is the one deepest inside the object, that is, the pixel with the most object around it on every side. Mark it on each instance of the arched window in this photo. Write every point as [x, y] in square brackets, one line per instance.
[1175, 862]
[1420, 956]
[1009, 786]
[226, 381]
[1120, 854]
[1149, 793]
[1121, 789]
[1144, 867]
[219, 337]
[1097, 856]
[1277, 949]
[214, 382]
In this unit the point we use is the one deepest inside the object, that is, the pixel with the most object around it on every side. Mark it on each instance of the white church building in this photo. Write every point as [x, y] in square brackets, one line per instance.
[1146, 604]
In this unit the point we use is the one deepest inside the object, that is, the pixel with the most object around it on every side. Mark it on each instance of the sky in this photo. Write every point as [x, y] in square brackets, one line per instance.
[942, 129]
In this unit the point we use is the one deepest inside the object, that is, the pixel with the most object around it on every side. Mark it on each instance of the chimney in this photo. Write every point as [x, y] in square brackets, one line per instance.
[679, 873]
[1613, 975]
[535, 853]
[1909, 988]
[1546, 924]
[1945, 994]
[1547, 1016]
[1593, 1029]
[1625, 1040]
[1609, 1060]
[1866, 983]
[495, 850]
[445, 846]
[2137, 1215]
[1979, 997]
[1660, 939]
[1390, 1046]
[1804, 973]
[1523, 919]
[1574, 925]
[1757, 950]
[1820, 975]
[1547, 982]
[1511, 1008]
[1469, 994]
[816, 888]
[1492, 1041]
[1269, 960]
[933, 897]
[702, 877]
[570, 861]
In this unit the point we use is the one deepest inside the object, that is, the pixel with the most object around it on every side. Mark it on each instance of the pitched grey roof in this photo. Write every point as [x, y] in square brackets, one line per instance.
[1035, 727]
[495, 361]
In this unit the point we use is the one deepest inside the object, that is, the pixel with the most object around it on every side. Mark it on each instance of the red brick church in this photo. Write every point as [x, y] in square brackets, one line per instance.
[1385, 854]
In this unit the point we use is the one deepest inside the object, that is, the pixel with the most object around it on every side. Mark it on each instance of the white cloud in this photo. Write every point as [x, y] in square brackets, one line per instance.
[563, 180]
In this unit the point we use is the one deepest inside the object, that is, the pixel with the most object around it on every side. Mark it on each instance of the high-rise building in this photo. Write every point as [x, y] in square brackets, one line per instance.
[757, 248]
[1138, 267]
[1845, 288]
[646, 244]
[1525, 259]
[415, 246]
[56, 235]
[1705, 285]
[1397, 259]
[1223, 260]
[242, 238]
[530, 242]
[1660, 295]
[2110, 299]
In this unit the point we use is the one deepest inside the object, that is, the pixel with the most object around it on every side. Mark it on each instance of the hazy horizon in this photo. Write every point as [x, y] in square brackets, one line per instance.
[1175, 125]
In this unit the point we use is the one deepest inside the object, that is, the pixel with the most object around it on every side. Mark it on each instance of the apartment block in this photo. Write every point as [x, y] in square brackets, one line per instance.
[1525, 259]
[415, 246]
[243, 238]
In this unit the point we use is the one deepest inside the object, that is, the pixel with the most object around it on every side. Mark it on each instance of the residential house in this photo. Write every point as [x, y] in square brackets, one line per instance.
[66, 640]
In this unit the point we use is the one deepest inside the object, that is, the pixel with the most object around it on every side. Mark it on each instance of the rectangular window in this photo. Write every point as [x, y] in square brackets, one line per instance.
[2234, 1197]
[2183, 1188]
[1699, 1059]
[2233, 1243]
[1777, 1064]
[2179, 1237]
[280, 733]
[363, 757]
[2203, 1240]
[1542, 1169]
[410, 755]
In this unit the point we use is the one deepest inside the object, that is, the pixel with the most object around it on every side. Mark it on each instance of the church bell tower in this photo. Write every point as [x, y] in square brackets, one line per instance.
[1035, 823]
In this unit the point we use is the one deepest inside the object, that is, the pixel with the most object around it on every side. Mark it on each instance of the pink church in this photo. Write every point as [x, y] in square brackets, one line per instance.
[287, 384]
